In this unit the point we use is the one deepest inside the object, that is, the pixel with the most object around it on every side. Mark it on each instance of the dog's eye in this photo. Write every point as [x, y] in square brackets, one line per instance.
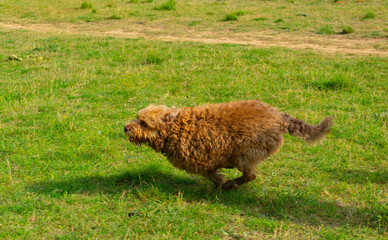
[143, 124]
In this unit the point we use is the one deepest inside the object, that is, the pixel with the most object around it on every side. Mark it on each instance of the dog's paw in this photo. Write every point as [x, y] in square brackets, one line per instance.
[229, 185]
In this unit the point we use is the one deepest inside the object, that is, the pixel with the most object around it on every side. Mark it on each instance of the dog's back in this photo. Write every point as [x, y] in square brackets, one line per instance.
[241, 118]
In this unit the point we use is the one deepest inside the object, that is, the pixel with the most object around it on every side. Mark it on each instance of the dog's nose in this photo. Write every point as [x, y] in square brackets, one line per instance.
[126, 129]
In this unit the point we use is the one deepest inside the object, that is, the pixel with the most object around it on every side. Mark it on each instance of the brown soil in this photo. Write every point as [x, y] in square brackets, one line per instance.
[331, 44]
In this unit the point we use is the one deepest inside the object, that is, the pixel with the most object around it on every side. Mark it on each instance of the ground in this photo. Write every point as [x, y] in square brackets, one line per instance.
[262, 39]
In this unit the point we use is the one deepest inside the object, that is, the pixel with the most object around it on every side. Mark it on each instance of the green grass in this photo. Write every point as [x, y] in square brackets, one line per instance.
[230, 17]
[368, 15]
[86, 5]
[347, 30]
[320, 13]
[110, 5]
[169, 5]
[68, 172]
[327, 29]
[193, 23]
[240, 13]
[279, 20]
[114, 17]
[29, 15]
[233, 16]
[260, 19]
[153, 57]
[334, 82]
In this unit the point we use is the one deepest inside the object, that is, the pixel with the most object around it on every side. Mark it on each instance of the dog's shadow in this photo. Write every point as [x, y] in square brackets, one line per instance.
[379, 176]
[250, 201]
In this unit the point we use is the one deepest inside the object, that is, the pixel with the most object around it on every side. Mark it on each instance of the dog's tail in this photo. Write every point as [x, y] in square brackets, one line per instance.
[310, 133]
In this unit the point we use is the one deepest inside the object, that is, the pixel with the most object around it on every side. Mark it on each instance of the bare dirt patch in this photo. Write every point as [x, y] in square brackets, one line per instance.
[331, 44]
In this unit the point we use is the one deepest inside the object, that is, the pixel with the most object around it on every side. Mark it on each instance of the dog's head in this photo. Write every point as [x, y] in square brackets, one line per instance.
[150, 126]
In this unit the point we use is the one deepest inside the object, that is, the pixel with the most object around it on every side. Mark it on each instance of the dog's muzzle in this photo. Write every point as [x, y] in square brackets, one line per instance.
[133, 139]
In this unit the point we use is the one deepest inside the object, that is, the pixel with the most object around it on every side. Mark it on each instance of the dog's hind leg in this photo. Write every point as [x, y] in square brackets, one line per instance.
[247, 164]
[217, 178]
[246, 177]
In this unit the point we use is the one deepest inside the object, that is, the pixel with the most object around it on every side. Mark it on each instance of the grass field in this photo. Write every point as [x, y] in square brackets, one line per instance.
[367, 18]
[68, 172]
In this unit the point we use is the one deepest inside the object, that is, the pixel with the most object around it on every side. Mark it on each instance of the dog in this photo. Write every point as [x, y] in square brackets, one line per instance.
[204, 139]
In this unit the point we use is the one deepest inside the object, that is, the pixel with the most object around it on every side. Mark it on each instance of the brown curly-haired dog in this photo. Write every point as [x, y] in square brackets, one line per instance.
[205, 138]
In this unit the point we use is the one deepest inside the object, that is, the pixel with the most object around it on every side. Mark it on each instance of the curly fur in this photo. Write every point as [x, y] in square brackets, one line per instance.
[206, 138]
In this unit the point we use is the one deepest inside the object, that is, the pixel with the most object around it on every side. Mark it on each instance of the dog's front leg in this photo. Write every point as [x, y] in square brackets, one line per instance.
[217, 178]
